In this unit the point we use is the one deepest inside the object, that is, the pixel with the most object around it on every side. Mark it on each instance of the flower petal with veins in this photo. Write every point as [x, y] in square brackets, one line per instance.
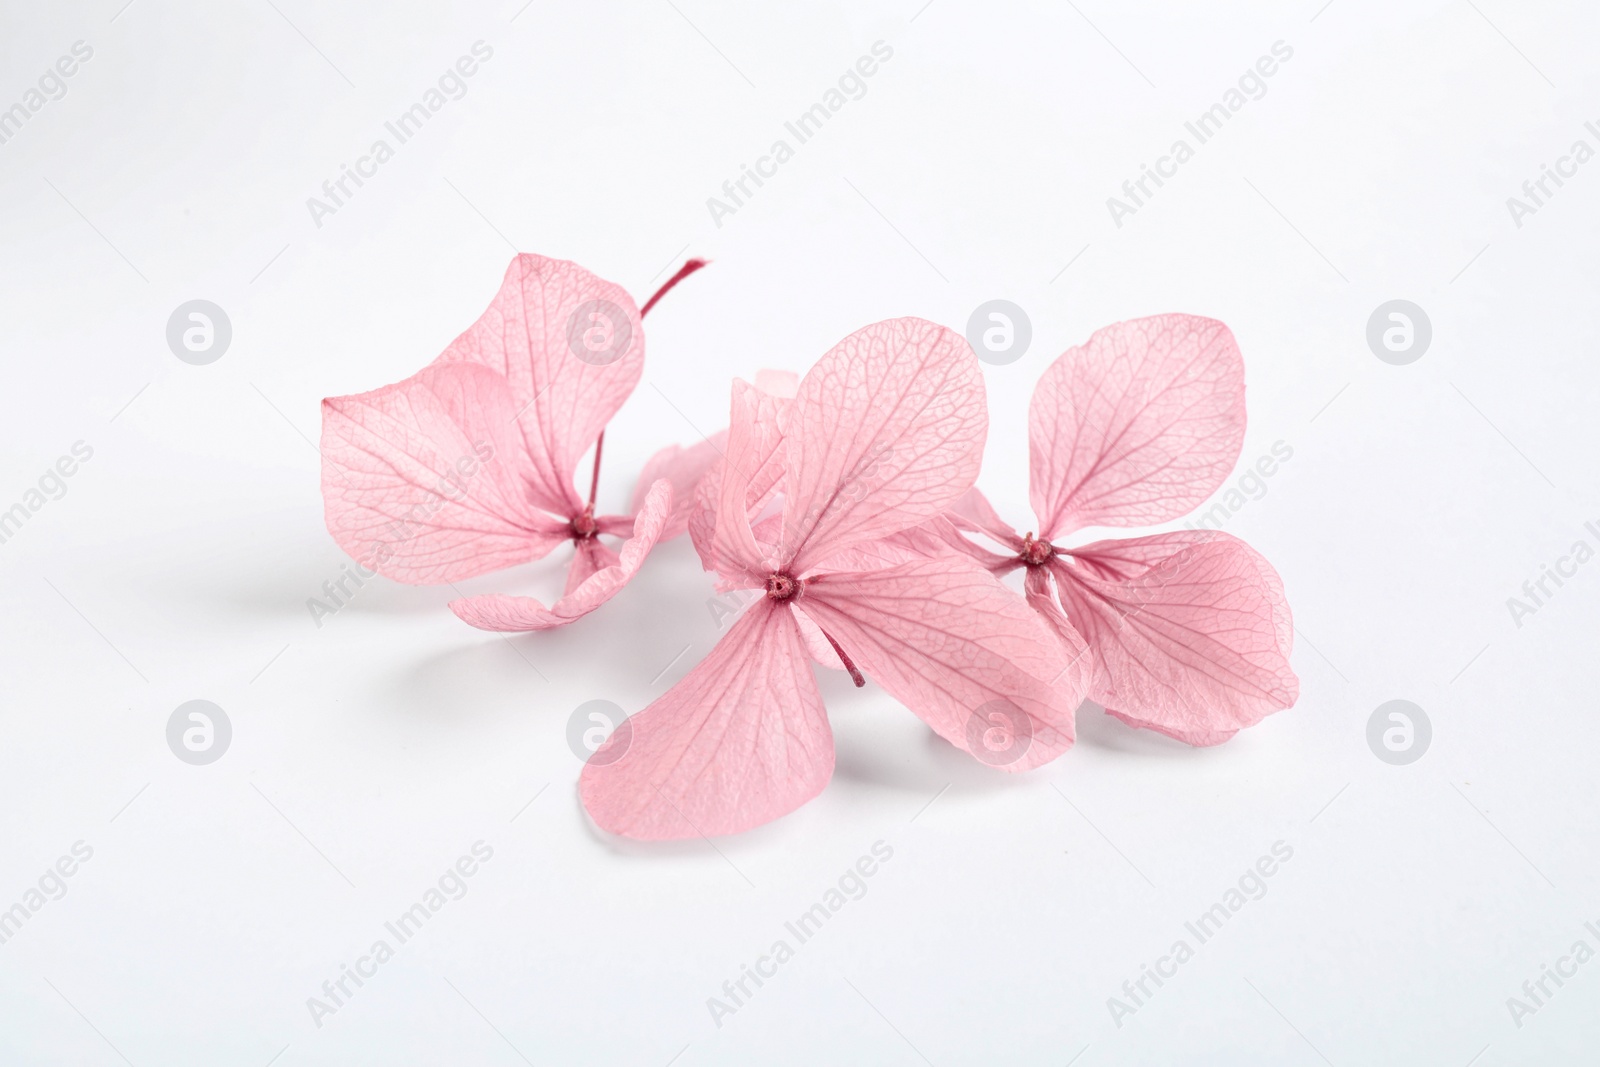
[1136, 427]
[684, 468]
[561, 401]
[947, 640]
[737, 742]
[424, 480]
[886, 431]
[1189, 629]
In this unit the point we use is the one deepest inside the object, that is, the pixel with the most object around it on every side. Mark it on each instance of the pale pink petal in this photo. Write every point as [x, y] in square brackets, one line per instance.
[1137, 427]
[959, 649]
[891, 551]
[940, 536]
[741, 481]
[817, 643]
[684, 468]
[779, 383]
[426, 480]
[740, 740]
[975, 514]
[571, 345]
[886, 431]
[1078, 678]
[761, 413]
[904, 547]
[498, 611]
[1189, 630]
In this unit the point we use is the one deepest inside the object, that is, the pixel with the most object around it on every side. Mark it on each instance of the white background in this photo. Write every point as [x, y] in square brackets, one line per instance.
[372, 751]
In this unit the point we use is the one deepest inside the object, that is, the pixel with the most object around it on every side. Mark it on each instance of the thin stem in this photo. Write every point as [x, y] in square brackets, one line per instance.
[594, 479]
[683, 272]
[855, 675]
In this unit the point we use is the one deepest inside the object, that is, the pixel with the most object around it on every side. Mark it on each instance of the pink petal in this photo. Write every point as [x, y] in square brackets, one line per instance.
[940, 536]
[742, 480]
[1137, 427]
[1078, 679]
[959, 649]
[498, 611]
[1189, 630]
[817, 644]
[684, 468]
[975, 514]
[425, 480]
[886, 431]
[779, 383]
[740, 740]
[532, 334]
[590, 555]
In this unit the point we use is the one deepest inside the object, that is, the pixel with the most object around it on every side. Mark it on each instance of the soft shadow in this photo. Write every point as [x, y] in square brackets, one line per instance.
[472, 681]
[909, 759]
[732, 847]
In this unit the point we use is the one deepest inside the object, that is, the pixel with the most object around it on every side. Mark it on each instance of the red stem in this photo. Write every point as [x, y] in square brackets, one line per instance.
[683, 272]
[855, 675]
[594, 479]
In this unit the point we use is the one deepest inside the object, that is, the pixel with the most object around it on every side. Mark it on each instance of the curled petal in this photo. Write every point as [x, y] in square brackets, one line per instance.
[1189, 631]
[497, 611]
[425, 480]
[739, 484]
[684, 468]
[960, 650]
[571, 346]
[742, 739]
[1137, 427]
[589, 556]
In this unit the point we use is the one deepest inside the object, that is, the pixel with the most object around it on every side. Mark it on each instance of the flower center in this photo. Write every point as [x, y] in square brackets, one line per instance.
[781, 587]
[1036, 552]
[584, 526]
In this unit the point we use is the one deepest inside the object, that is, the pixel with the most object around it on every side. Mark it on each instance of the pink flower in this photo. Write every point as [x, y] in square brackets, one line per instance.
[884, 433]
[467, 466]
[1188, 632]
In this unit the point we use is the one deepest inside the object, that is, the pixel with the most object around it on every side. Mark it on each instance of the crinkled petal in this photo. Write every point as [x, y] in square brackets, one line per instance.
[742, 739]
[1189, 630]
[497, 611]
[684, 468]
[1137, 427]
[425, 480]
[886, 431]
[571, 346]
[959, 649]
